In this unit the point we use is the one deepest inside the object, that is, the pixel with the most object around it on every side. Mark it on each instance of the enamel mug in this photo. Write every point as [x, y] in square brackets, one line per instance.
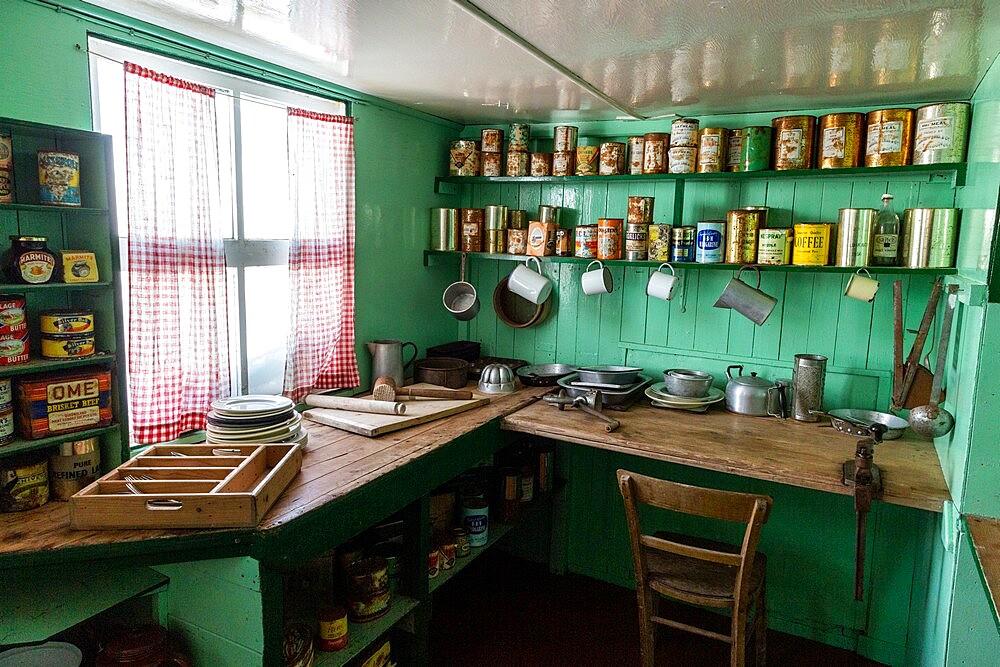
[661, 285]
[528, 284]
[597, 281]
[862, 287]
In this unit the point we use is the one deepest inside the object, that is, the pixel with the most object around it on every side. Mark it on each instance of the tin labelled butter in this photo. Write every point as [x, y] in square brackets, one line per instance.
[774, 246]
[12, 315]
[13, 348]
[812, 244]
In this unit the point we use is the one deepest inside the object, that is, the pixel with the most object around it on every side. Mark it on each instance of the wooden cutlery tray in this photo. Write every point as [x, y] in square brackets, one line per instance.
[189, 486]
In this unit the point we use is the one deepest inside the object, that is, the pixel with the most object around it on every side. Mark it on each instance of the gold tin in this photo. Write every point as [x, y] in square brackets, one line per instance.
[840, 140]
[563, 163]
[636, 241]
[541, 164]
[564, 138]
[609, 238]
[517, 163]
[890, 138]
[684, 133]
[444, 229]
[612, 159]
[682, 159]
[944, 230]
[659, 243]
[68, 346]
[464, 158]
[492, 140]
[942, 133]
[640, 210]
[855, 230]
[586, 242]
[793, 142]
[741, 234]
[517, 241]
[812, 244]
[472, 236]
[774, 246]
[636, 150]
[496, 217]
[517, 219]
[734, 150]
[491, 164]
[496, 240]
[915, 238]
[587, 159]
[548, 213]
[654, 153]
[712, 149]
[66, 321]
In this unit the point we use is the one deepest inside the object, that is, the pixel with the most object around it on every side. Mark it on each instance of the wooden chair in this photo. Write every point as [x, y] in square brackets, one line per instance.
[697, 571]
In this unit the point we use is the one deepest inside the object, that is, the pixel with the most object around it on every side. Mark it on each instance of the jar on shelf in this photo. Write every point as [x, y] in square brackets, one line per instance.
[29, 260]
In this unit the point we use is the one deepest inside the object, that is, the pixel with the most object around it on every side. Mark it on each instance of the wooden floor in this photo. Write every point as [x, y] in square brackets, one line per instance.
[505, 611]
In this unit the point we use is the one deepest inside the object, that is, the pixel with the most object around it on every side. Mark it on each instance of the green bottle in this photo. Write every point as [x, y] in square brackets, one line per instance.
[885, 244]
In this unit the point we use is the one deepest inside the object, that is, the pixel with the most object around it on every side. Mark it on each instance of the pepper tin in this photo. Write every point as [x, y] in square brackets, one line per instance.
[812, 244]
[712, 149]
[944, 229]
[492, 140]
[636, 150]
[734, 149]
[741, 233]
[517, 241]
[755, 152]
[890, 138]
[490, 164]
[793, 142]
[12, 315]
[541, 164]
[659, 243]
[609, 238]
[684, 133]
[68, 346]
[636, 241]
[519, 134]
[563, 163]
[612, 159]
[640, 209]
[710, 241]
[66, 321]
[774, 246]
[25, 481]
[654, 153]
[682, 159]
[517, 163]
[855, 229]
[941, 134]
[682, 240]
[840, 140]
[464, 158]
[63, 403]
[564, 138]
[586, 242]
[587, 160]
[58, 178]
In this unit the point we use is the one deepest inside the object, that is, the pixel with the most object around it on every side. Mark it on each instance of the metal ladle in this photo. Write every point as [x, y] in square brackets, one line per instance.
[931, 420]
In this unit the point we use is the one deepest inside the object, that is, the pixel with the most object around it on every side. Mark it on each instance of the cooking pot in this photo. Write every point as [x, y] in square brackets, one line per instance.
[752, 395]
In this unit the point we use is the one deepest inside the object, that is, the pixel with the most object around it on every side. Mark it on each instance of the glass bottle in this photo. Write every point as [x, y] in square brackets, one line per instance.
[885, 245]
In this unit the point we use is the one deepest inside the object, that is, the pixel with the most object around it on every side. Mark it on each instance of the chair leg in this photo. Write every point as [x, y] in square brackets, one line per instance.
[761, 626]
[738, 647]
[649, 603]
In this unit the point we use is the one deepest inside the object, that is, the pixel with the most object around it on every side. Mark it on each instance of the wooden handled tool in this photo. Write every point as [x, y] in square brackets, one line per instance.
[356, 404]
[385, 389]
[913, 359]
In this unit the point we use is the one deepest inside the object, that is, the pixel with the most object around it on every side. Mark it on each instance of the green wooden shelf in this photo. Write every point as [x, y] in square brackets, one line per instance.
[361, 635]
[20, 446]
[497, 531]
[45, 208]
[431, 256]
[14, 288]
[42, 365]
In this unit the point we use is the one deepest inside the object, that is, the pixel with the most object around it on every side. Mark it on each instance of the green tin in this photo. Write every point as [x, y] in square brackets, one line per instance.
[755, 155]
[519, 134]
[944, 229]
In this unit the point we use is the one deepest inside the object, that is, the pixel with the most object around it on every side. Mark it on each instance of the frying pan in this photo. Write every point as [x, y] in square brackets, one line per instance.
[544, 375]
[856, 422]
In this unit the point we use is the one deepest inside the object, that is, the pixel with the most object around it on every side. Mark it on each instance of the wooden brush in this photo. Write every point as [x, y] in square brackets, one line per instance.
[385, 389]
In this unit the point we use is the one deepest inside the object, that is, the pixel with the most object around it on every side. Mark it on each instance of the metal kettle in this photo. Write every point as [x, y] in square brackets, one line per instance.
[387, 358]
[754, 396]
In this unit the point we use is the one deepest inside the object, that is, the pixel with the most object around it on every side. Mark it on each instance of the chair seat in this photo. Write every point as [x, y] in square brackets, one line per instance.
[697, 580]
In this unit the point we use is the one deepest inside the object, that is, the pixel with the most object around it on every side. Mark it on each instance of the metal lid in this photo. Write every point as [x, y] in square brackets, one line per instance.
[751, 380]
[15, 237]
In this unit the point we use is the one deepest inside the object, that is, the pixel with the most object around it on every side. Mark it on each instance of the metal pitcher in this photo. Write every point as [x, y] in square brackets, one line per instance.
[387, 359]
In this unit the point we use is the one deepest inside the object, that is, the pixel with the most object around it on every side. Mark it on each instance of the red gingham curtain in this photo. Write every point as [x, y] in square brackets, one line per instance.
[178, 347]
[321, 253]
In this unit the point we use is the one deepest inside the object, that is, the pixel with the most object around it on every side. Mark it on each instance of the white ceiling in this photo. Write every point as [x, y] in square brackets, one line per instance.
[566, 60]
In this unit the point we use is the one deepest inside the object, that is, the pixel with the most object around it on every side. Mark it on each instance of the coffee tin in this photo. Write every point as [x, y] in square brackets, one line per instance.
[812, 244]
[682, 241]
[774, 246]
[444, 229]
[517, 241]
[710, 241]
[496, 216]
[541, 164]
[941, 134]
[915, 238]
[890, 138]
[491, 164]
[564, 138]
[659, 243]
[464, 158]
[563, 163]
[755, 151]
[636, 241]
[66, 321]
[840, 140]
[492, 140]
[519, 134]
[586, 241]
[609, 238]
[517, 163]
[612, 158]
[640, 209]
[58, 178]
[517, 219]
[587, 159]
[712, 149]
[855, 229]
[636, 148]
[741, 233]
[563, 243]
[734, 148]
[793, 142]
[13, 319]
[548, 213]
[25, 481]
[654, 156]
[684, 133]
[682, 159]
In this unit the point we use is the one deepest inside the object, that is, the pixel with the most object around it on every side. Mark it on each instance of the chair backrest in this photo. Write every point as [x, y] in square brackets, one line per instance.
[748, 508]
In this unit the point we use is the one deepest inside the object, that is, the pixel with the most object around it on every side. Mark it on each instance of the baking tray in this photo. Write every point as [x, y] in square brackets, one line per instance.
[614, 400]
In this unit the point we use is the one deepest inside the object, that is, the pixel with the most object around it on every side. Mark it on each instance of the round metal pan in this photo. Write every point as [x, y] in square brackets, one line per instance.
[620, 375]
[544, 375]
[846, 421]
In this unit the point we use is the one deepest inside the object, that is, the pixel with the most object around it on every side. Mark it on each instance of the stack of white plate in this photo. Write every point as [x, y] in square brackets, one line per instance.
[658, 394]
[254, 418]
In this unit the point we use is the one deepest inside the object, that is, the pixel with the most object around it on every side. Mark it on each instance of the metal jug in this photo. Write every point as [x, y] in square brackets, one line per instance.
[387, 359]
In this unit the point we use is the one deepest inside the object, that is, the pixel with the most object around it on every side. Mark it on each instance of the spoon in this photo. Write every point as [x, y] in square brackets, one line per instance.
[931, 420]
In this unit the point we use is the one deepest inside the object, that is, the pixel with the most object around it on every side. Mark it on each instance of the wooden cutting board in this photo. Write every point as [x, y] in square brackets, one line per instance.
[418, 411]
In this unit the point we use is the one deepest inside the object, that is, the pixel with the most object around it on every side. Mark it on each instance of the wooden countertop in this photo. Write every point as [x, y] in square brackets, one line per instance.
[985, 534]
[784, 451]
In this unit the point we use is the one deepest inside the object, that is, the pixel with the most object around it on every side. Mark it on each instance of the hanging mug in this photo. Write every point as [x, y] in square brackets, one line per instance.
[598, 281]
[528, 284]
[862, 287]
[748, 301]
[661, 285]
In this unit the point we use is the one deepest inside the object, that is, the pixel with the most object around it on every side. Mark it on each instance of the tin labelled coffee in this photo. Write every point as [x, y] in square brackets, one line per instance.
[564, 138]
[793, 142]
[541, 164]
[942, 133]
[734, 147]
[609, 238]
[659, 242]
[636, 148]
[490, 164]
[636, 241]
[684, 133]
[682, 241]
[682, 159]
[612, 159]
[655, 147]
[464, 158]
[774, 246]
[890, 138]
[587, 160]
[518, 163]
[840, 140]
[712, 149]
[492, 140]
[586, 242]
[812, 244]
[710, 241]
[755, 152]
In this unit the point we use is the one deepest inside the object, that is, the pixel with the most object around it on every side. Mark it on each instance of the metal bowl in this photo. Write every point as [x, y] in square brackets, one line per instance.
[684, 382]
[620, 375]
[842, 421]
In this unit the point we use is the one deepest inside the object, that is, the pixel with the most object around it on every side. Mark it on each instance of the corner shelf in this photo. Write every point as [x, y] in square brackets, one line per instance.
[45, 208]
[42, 365]
[13, 288]
[361, 635]
[19, 446]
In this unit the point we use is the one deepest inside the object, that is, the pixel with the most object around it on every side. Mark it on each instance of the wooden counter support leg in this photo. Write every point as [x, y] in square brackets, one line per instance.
[272, 592]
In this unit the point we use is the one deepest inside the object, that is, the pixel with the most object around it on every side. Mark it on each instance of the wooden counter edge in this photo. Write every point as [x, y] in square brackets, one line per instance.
[984, 533]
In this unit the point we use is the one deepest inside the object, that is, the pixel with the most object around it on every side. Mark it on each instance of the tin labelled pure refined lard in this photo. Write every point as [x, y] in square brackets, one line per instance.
[636, 149]
[586, 241]
[640, 209]
[774, 246]
[944, 230]
[734, 148]
[682, 242]
[564, 138]
[636, 241]
[491, 164]
[612, 159]
[463, 158]
[855, 230]
[710, 241]
[541, 164]
[444, 229]
[812, 244]
[492, 140]
[942, 133]
[517, 241]
[684, 133]
[655, 147]
[518, 163]
[563, 163]
[712, 149]
[68, 473]
[793, 141]
[519, 134]
[755, 151]
[840, 140]
[609, 238]
[741, 233]
[59, 178]
[890, 138]
[915, 239]
[659, 242]
[682, 159]
[587, 160]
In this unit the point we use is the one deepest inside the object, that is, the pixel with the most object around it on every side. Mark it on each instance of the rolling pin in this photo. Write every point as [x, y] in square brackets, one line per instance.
[356, 404]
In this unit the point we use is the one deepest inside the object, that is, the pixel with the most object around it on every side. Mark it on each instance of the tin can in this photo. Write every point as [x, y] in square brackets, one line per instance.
[682, 159]
[14, 348]
[510, 492]
[25, 480]
[855, 229]
[774, 246]
[636, 154]
[840, 140]
[464, 158]
[712, 149]
[660, 237]
[461, 538]
[636, 241]
[66, 321]
[541, 164]
[517, 163]
[793, 142]
[915, 238]
[476, 215]
[476, 520]
[6, 423]
[684, 133]
[53, 404]
[58, 178]
[519, 135]
[587, 160]
[944, 229]
[68, 346]
[541, 238]
[495, 216]
[6, 397]
[563, 163]
[547, 213]
[333, 628]
[491, 164]
[894, 56]
[13, 319]
[444, 229]
[496, 241]
[755, 153]
[640, 209]
[709, 241]
[609, 238]
[517, 219]
[546, 467]
[890, 138]
[612, 159]
[492, 140]
[564, 138]
[368, 593]
[741, 233]
[472, 236]
[812, 244]
[517, 241]
[563, 243]
[734, 149]
[6, 152]
[6, 185]
[586, 241]
[942, 133]
[682, 241]
[654, 153]
[68, 473]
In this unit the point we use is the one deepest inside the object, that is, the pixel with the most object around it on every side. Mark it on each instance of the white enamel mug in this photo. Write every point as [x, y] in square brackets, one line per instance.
[661, 285]
[597, 281]
[528, 284]
[862, 287]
